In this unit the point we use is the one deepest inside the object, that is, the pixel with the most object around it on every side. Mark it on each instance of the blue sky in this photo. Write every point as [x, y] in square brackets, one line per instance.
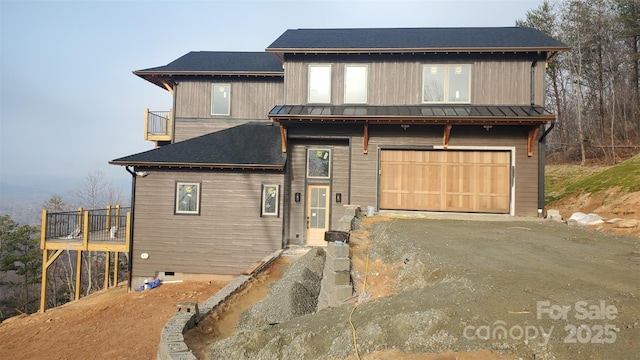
[68, 100]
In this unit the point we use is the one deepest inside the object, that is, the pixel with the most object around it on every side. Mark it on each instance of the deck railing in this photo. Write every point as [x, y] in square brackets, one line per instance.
[98, 225]
[158, 125]
[104, 230]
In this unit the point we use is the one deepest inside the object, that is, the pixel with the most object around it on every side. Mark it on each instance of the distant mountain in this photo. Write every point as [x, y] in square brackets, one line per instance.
[23, 202]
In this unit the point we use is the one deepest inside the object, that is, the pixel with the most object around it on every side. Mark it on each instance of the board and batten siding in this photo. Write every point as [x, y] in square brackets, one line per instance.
[364, 167]
[397, 80]
[295, 232]
[251, 99]
[227, 236]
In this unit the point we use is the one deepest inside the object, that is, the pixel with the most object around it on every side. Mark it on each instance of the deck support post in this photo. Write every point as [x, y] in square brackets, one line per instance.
[43, 287]
[107, 260]
[78, 274]
[116, 262]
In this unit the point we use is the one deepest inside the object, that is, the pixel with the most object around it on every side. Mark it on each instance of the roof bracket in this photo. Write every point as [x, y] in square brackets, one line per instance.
[445, 137]
[365, 150]
[531, 139]
[283, 137]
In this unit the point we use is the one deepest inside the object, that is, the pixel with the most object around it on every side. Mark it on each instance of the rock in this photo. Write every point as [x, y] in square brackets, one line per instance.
[613, 221]
[553, 214]
[627, 223]
[582, 219]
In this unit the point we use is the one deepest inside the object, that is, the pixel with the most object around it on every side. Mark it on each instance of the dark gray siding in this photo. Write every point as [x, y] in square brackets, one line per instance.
[224, 239]
[295, 231]
[251, 99]
[365, 166]
[397, 80]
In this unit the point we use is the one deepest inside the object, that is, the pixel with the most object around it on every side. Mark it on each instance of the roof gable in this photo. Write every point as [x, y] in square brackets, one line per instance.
[251, 145]
[415, 39]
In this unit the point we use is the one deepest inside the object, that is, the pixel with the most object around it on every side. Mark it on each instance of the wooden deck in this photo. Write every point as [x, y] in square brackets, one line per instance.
[106, 230]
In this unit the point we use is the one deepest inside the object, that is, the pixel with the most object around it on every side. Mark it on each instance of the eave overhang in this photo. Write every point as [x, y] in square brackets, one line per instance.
[167, 165]
[439, 50]
[427, 114]
[166, 79]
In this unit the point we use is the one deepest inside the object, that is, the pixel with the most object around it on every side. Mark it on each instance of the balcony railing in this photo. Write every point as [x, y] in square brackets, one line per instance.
[158, 125]
[99, 229]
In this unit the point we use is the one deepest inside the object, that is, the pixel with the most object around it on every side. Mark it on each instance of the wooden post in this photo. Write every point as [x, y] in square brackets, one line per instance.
[107, 259]
[43, 230]
[43, 287]
[108, 219]
[85, 231]
[116, 262]
[365, 139]
[146, 124]
[117, 216]
[43, 246]
[79, 218]
[78, 274]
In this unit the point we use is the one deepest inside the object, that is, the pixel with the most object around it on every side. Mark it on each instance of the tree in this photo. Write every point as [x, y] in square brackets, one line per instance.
[96, 192]
[21, 262]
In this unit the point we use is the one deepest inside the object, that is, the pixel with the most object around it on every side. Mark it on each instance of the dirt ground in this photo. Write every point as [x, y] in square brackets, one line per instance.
[434, 287]
[110, 324]
[468, 289]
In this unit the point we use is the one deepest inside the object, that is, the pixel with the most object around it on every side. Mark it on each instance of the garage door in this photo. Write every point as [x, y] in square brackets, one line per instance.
[438, 180]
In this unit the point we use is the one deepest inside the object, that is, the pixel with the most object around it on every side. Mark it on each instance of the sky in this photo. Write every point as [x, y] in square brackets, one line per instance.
[69, 102]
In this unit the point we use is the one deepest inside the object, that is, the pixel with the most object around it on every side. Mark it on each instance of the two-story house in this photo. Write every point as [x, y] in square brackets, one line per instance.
[266, 148]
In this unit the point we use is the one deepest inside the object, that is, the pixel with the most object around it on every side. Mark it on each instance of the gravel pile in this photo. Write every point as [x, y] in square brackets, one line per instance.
[294, 295]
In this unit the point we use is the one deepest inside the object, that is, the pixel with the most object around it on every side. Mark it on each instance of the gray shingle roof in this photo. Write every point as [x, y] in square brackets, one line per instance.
[219, 62]
[389, 39]
[251, 145]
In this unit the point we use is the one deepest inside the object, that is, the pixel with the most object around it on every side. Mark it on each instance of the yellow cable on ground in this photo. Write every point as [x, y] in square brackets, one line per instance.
[364, 290]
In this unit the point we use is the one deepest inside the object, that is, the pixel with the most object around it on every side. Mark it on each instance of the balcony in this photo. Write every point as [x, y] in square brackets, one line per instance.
[158, 126]
[86, 230]
[102, 230]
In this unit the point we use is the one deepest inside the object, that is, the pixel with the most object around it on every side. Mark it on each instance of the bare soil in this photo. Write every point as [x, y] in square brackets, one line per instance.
[427, 280]
[109, 324]
[469, 289]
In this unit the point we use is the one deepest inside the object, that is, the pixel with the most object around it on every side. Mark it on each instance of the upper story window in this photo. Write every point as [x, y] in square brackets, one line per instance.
[446, 83]
[319, 84]
[355, 84]
[221, 99]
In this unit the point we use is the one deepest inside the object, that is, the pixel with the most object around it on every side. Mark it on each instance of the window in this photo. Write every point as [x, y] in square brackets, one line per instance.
[355, 84]
[221, 99]
[319, 163]
[187, 198]
[270, 197]
[319, 84]
[446, 83]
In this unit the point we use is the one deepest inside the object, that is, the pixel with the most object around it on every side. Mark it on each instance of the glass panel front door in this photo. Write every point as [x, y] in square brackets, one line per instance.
[317, 213]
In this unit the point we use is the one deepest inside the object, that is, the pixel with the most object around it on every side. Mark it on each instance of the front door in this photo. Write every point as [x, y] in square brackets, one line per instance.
[317, 213]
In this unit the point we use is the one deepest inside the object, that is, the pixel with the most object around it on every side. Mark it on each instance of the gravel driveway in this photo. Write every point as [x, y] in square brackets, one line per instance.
[526, 288]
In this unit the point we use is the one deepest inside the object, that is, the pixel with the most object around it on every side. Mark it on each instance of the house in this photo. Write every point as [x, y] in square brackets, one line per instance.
[266, 149]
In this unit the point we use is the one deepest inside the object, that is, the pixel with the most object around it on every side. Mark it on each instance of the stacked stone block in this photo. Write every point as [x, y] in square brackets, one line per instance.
[336, 286]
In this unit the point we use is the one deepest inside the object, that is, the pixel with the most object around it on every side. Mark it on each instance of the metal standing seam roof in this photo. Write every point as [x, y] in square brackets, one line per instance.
[255, 145]
[434, 114]
[473, 39]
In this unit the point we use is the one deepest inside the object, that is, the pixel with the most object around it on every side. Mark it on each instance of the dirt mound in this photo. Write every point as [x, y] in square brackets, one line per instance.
[609, 204]
[110, 324]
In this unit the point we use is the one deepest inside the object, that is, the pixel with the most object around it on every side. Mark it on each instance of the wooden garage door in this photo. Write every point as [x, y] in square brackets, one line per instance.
[438, 180]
